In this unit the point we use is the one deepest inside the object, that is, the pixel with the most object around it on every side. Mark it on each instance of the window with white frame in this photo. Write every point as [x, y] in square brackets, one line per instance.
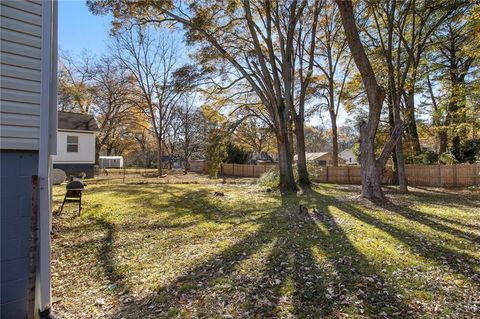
[72, 144]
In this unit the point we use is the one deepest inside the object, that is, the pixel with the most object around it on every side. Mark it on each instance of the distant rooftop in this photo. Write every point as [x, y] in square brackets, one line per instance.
[312, 156]
[77, 121]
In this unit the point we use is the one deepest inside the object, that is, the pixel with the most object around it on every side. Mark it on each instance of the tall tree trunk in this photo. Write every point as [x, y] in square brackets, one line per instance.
[456, 147]
[334, 140]
[443, 141]
[398, 157]
[402, 176]
[97, 151]
[291, 140]
[371, 173]
[394, 105]
[411, 121]
[331, 107]
[159, 156]
[457, 102]
[442, 132]
[287, 181]
[186, 166]
[371, 168]
[303, 178]
[391, 122]
[146, 157]
[109, 149]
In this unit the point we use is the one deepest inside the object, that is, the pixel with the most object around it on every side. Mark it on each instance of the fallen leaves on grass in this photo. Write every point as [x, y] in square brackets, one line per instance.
[167, 251]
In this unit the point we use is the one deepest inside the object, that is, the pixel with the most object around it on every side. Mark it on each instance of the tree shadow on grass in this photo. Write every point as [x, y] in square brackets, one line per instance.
[467, 199]
[457, 261]
[289, 279]
[337, 279]
[292, 264]
[449, 199]
[106, 256]
[180, 202]
[428, 220]
[473, 226]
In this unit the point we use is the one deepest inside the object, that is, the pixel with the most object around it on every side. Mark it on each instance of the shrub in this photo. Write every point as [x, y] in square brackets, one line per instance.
[447, 158]
[236, 154]
[356, 151]
[216, 152]
[428, 157]
[271, 178]
[470, 151]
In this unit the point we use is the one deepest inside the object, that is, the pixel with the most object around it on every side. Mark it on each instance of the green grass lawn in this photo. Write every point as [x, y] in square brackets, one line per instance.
[168, 251]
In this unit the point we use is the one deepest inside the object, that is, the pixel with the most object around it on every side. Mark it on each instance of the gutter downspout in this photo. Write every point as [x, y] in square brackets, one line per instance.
[48, 125]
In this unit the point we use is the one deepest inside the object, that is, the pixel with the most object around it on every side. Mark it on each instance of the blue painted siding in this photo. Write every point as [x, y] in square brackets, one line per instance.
[17, 168]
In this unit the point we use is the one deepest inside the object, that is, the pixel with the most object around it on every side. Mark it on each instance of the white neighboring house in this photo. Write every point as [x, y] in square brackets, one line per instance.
[110, 161]
[320, 158]
[76, 144]
[349, 157]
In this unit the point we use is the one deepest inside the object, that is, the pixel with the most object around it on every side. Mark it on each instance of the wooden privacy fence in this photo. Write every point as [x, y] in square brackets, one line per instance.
[245, 170]
[417, 175]
[443, 175]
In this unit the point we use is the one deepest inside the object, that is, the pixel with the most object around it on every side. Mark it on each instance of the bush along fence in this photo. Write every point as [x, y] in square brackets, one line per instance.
[417, 175]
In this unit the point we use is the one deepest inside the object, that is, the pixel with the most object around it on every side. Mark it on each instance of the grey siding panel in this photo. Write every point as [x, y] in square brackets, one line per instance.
[7, 82]
[26, 6]
[20, 108]
[20, 74]
[18, 119]
[6, 11]
[17, 168]
[15, 25]
[21, 38]
[20, 96]
[17, 143]
[19, 131]
[20, 50]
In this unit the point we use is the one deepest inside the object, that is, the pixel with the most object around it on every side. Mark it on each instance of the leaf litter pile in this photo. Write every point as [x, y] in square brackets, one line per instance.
[180, 251]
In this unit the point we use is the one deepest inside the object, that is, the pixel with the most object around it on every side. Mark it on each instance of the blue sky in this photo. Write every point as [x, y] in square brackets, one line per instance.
[79, 30]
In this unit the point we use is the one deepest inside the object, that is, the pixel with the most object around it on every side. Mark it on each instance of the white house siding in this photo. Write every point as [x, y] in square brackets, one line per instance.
[86, 149]
[349, 157]
[20, 74]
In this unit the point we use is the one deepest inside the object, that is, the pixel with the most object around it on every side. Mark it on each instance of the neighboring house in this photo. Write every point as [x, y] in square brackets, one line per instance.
[110, 161]
[198, 166]
[259, 158]
[169, 162]
[348, 157]
[28, 131]
[76, 144]
[320, 159]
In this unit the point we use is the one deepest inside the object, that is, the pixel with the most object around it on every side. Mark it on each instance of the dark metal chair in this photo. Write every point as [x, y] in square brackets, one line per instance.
[74, 194]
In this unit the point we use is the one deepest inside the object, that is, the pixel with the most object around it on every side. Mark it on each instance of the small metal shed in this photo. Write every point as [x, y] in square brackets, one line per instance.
[110, 161]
